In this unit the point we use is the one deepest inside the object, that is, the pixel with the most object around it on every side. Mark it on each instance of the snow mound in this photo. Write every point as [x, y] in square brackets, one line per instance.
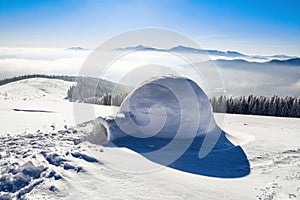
[165, 107]
[99, 133]
[35, 89]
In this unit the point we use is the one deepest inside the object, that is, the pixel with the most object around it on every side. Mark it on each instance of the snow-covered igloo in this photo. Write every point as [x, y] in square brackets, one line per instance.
[169, 121]
[166, 107]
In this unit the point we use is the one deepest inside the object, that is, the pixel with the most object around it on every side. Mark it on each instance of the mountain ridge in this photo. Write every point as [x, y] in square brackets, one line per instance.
[212, 52]
[290, 62]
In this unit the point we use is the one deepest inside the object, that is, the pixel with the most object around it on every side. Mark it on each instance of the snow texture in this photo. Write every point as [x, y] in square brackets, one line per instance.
[27, 139]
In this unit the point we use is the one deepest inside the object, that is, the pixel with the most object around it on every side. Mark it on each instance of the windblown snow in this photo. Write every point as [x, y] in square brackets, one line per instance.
[45, 155]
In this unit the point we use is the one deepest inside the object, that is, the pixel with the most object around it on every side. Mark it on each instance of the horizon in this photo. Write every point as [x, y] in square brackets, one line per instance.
[84, 48]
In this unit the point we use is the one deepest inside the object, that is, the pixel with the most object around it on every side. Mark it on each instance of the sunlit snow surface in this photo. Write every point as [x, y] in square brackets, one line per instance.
[44, 155]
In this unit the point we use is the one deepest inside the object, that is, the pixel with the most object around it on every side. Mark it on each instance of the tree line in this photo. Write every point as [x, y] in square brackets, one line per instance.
[107, 99]
[98, 91]
[86, 89]
[288, 106]
[103, 92]
[18, 78]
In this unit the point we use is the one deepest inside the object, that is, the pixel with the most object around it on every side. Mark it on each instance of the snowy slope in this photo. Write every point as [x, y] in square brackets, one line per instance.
[59, 163]
[35, 89]
[274, 166]
[37, 103]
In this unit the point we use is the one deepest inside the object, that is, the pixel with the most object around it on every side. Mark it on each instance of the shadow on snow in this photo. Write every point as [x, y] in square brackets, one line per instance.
[224, 161]
[24, 110]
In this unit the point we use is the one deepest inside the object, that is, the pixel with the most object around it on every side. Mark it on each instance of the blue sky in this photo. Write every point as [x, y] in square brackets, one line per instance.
[254, 27]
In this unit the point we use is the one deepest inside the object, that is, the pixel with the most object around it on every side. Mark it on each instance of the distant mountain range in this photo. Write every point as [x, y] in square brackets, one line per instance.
[218, 54]
[240, 62]
[225, 57]
[185, 50]
[292, 61]
[77, 49]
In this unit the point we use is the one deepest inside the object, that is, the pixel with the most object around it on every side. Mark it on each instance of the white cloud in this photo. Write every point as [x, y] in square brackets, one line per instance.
[238, 80]
[17, 61]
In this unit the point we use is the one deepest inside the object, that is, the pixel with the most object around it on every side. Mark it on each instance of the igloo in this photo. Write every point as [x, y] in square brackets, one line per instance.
[169, 121]
[166, 107]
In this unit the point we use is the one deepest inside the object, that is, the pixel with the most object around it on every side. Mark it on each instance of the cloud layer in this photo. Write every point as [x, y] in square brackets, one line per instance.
[135, 67]
[18, 61]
